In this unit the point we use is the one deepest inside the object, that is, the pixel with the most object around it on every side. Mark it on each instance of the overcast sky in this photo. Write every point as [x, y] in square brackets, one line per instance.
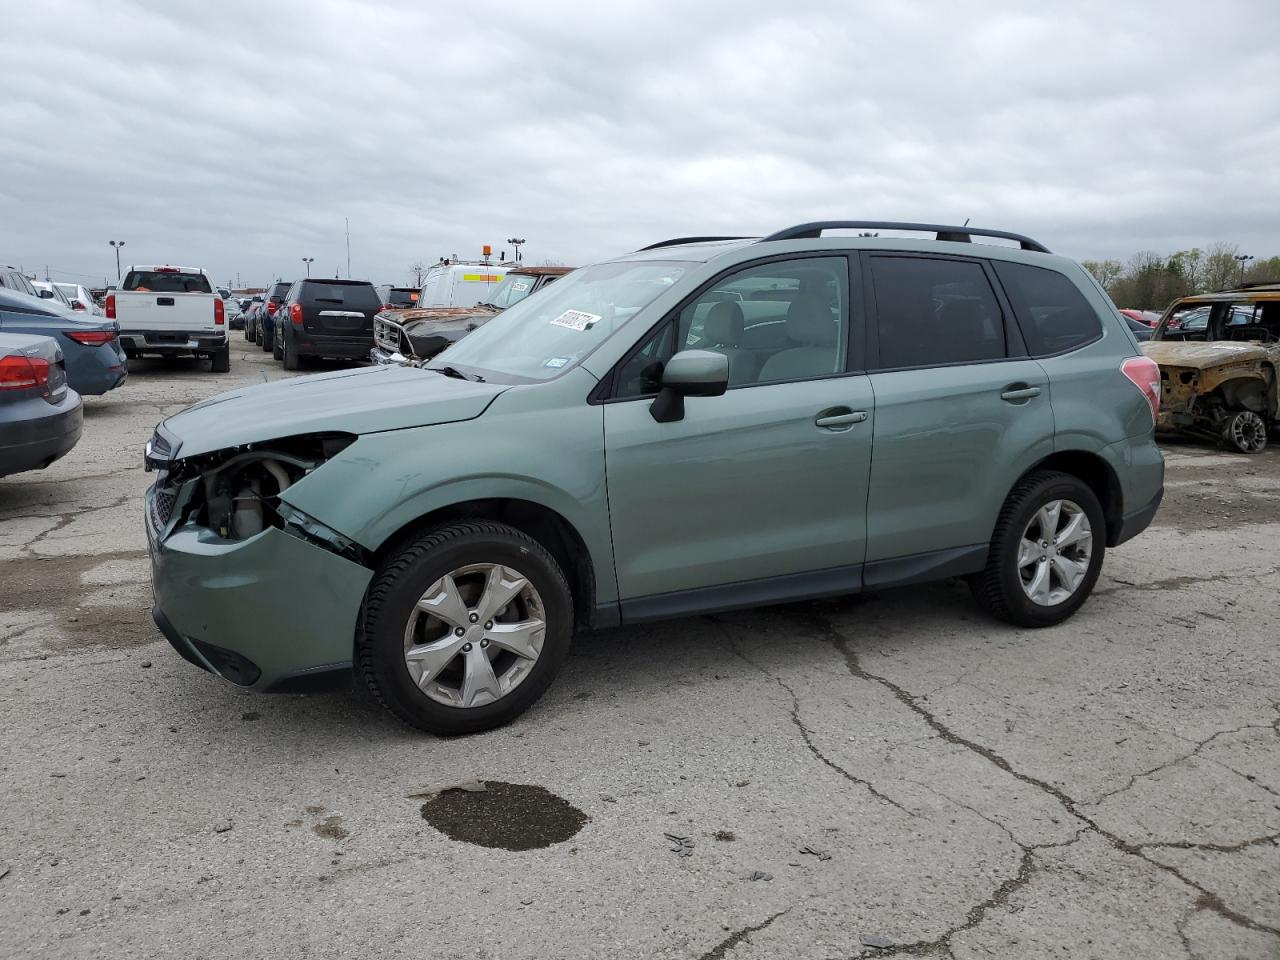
[238, 135]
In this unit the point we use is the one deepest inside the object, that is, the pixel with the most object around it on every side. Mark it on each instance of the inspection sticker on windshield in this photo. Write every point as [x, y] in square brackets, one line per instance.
[556, 362]
[575, 320]
[519, 286]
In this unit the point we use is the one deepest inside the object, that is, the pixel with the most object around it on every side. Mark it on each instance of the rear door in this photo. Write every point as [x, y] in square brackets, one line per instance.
[961, 411]
[339, 309]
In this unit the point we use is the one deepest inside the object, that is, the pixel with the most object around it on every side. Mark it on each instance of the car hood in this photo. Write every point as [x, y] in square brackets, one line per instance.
[1201, 355]
[369, 400]
[403, 317]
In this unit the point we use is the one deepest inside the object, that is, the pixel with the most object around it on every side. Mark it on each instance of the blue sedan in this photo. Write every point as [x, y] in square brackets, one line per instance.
[90, 346]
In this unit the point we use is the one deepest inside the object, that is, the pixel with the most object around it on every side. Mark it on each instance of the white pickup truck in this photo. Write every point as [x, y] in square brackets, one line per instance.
[168, 311]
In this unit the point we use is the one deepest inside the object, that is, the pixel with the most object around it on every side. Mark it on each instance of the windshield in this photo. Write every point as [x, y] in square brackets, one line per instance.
[540, 337]
[511, 290]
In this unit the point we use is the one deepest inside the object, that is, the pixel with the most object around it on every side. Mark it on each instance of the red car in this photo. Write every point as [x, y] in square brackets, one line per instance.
[1147, 317]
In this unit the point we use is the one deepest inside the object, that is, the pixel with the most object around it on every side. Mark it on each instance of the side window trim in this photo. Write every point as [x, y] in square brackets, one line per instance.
[1015, 349]
[606, 390]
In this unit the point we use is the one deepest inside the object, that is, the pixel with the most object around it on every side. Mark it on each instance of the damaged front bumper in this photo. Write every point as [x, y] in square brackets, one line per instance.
[276, 611]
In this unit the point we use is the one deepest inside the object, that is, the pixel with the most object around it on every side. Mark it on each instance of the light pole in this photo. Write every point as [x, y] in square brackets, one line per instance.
[117, 244]
[308, 261]
[515, 243]
[1243, 258]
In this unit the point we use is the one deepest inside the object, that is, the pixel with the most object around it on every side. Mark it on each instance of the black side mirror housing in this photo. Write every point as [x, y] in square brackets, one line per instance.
[690, 373]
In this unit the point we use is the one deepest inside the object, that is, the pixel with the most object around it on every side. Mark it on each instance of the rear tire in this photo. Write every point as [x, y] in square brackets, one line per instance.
[220, 360]
[458, 554]
[267, 340]
[1005, 588]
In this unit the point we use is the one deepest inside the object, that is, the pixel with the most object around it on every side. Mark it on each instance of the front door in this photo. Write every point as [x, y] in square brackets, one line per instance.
[761, 491]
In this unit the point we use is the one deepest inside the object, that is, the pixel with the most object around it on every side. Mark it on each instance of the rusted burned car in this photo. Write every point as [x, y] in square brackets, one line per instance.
[406, 336]
[1219, 354]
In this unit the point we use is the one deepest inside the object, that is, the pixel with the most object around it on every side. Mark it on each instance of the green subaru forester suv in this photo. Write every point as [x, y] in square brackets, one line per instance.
[701, 425]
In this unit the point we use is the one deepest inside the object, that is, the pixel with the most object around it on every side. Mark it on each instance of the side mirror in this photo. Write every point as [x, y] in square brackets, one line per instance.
[690, 373]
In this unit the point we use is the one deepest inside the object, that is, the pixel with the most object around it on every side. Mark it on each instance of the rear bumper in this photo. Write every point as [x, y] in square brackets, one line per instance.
[272, 612]
[173, 342]
[93, 370]
[35, 433]
[318, 345]
[1135, 523]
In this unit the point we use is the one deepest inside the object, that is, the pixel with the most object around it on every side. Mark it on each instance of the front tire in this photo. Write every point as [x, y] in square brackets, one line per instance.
[465, 628]
[267, 341]
[1245, 432]
[1046, 552]
[277, 347]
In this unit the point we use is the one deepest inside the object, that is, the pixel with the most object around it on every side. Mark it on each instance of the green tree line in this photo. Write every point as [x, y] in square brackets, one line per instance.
[1150, 281]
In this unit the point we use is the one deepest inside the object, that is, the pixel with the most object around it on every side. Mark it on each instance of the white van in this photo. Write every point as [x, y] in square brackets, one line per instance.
[458, 283]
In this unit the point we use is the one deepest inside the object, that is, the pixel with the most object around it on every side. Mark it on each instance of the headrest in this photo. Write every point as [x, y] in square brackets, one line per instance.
[724, 324]
[809, 321]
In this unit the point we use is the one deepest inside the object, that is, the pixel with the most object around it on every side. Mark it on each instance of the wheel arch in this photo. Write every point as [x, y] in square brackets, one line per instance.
[1098, 475]
[545, 525]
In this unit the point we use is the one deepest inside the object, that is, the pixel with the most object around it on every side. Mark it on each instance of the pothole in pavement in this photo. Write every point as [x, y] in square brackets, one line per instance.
[503, 816]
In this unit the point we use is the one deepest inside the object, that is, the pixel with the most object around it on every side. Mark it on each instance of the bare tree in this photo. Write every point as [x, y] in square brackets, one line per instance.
[1106, 272]
[1220, 267]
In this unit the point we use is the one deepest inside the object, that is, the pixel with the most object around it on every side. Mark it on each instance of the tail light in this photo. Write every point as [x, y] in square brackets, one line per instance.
[219, 312]
[111, 306]
[77, 305]
[386, 306]
[23, 373]
[295, 314]
[271, 308]
[1144, 373]
[91, 338]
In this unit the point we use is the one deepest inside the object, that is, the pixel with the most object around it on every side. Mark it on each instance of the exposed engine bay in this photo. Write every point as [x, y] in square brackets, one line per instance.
[236, 492]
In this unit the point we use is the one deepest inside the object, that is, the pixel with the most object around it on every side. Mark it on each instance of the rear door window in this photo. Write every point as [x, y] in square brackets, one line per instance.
[933, 312]
[1052, 312]
[342, 296]
[166, 281]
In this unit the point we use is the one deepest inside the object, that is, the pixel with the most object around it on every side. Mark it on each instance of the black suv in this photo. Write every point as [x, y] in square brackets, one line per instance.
[325, 318]
[263, 329]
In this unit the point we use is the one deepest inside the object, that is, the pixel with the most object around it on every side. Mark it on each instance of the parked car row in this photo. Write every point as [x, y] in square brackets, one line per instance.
[51, 354]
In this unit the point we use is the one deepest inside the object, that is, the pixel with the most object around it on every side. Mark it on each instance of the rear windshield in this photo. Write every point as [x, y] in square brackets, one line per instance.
[402, 296]
[350, 296]
[165, 281]
[278, 291]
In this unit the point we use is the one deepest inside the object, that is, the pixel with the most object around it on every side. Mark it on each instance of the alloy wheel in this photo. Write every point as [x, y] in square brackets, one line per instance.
[1054, 552]
[474, 635]
[1247, 432]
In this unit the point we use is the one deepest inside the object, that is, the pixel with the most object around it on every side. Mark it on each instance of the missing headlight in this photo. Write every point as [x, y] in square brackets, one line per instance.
[237, 493]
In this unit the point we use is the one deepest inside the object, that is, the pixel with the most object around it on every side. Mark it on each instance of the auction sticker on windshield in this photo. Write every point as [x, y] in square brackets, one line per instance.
[575, 320]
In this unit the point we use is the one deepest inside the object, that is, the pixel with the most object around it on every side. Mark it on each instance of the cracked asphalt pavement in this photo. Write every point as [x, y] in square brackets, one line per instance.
[891, 769]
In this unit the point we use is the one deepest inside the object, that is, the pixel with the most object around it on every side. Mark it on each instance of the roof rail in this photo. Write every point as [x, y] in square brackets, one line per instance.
[1251, 285]
[676, 241]
[811, 231]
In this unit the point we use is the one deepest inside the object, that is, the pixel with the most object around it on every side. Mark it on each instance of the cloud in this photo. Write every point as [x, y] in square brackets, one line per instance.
[238, 136]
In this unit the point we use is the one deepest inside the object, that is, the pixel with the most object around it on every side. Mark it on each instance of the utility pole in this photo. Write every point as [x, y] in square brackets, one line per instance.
[516, 243]
[308, 261]
[117, 244]
[348, 222]
[46, 274]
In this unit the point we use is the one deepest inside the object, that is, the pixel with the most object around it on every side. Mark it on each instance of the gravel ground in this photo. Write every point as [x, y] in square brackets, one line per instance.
[892, 769]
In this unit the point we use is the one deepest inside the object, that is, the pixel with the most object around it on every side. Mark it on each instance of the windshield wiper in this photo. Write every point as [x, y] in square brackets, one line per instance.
[457, 374]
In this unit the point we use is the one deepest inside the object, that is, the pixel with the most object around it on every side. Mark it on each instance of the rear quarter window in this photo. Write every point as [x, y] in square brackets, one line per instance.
[1053, 314]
